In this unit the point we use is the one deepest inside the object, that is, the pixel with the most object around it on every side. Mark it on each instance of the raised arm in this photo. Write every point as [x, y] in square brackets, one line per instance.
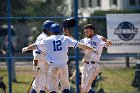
[108, 42]
[66, 32]
[85, 47]
[30, 47]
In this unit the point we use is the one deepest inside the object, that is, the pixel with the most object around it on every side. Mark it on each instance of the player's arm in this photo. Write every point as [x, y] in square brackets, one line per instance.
[66, 32]
[108, 42]
[82, 45]
[30, 47]
[85, 47]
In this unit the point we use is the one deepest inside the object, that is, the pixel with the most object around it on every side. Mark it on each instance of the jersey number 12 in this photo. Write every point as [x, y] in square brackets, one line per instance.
[57, 45]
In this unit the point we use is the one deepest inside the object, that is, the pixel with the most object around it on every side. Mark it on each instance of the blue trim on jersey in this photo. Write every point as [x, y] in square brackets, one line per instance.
[38, 51]
[76, 44]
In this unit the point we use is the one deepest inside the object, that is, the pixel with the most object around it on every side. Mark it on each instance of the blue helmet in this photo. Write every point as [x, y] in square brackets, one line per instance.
[47, 24]
[55, 28]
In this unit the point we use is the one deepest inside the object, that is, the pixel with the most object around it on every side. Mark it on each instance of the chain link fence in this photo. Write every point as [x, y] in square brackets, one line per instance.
[26, 18]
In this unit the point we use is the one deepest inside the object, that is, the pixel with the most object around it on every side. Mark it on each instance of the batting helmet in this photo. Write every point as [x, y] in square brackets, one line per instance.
[47, 24]
[55, 28]
[69, 22]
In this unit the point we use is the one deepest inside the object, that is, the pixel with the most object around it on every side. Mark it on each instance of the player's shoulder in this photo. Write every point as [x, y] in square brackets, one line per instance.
[100, 36]
[84, 39]
[66, 37]
[45, 39]
[96, 37]
[41, 36]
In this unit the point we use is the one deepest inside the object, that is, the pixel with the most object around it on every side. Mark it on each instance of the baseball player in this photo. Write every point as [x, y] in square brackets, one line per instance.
[57, 48]
[91, 60]
[40, 66]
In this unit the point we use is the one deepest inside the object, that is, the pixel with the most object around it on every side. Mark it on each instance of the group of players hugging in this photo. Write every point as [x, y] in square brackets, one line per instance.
[50, 57]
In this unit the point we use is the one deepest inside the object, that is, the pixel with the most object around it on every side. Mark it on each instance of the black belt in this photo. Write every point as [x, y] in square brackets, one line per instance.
[87, 62]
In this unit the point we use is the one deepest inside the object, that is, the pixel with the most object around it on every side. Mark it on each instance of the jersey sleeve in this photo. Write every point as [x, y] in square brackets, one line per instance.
[101, 42]
[41, 45]
[82, 41]
[72, 42]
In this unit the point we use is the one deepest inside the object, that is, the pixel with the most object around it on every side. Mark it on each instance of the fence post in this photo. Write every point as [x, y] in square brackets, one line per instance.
[137, 74]
[77, 50]
[127, 62]
[9, 45]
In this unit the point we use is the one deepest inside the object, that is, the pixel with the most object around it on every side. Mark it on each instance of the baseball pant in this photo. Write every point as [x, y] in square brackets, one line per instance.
[88, 75]
[58, 74]
[40, 82]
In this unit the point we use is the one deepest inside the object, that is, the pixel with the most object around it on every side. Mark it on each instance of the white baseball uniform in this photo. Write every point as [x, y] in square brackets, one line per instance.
[91, 61]
[41, 78]
[56, 47]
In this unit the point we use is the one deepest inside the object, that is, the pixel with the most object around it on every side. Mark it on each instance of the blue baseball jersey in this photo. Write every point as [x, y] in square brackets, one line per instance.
[56, 47]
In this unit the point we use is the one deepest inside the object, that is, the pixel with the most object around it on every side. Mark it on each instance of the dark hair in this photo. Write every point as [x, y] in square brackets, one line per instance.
[90, 26]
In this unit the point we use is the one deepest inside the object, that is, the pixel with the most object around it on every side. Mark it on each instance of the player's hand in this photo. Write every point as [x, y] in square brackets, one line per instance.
[24, 49]
[95, 51]
[109, 43]
[35, 70]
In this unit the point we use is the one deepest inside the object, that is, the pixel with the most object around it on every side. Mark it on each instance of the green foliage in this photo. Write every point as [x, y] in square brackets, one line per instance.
[40, 8]
[32, 7]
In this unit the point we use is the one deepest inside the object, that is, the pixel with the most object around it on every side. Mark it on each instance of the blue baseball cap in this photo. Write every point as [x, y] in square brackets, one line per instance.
[55, 28]
[47, 24]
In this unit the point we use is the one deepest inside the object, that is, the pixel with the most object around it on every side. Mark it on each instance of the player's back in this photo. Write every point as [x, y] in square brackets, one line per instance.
[57, 48]
[41, 37]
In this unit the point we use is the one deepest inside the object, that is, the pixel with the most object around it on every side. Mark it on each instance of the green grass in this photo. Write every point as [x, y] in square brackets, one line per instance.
[118, 80]
[24, 77]
[114, 80]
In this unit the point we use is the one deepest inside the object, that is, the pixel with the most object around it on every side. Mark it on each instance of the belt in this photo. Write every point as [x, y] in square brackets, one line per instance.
[40, 60]
[87, 62]
[53, 62]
